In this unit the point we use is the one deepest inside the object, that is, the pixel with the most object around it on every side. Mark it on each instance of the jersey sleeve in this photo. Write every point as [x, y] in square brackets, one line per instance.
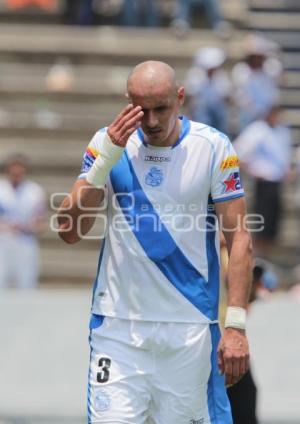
[92, 151]
[226, 180]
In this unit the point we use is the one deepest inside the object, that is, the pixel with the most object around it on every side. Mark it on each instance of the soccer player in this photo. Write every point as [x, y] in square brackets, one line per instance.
[156, 353]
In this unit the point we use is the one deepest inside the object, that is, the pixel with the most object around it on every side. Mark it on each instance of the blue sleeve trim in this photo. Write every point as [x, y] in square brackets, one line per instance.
[225, 199]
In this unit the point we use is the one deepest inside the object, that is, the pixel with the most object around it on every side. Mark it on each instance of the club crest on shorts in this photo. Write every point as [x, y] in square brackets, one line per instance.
[154, 177]
[102, 401]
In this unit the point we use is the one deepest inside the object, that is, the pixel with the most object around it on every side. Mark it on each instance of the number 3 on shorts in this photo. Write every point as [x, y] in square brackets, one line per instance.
[104, 365]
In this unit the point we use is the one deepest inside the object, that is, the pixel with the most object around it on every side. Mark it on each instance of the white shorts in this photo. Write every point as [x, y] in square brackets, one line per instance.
[155, 373]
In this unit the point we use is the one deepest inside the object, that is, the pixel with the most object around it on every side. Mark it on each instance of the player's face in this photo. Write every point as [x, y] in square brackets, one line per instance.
[160, 120]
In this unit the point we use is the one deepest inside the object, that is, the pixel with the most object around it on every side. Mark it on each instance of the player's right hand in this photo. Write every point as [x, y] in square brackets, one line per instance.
[125, 124]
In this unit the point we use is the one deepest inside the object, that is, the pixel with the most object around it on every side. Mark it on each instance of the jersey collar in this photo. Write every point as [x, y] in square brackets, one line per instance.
[185, 129]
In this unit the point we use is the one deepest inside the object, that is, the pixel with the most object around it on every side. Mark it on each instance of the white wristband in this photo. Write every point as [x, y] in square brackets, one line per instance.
[236, 317]
[109, 154]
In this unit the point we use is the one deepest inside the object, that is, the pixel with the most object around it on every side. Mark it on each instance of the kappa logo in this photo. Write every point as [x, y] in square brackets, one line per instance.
[158, 159]
[154, 177]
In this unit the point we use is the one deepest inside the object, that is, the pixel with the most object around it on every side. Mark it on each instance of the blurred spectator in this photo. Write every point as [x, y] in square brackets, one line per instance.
[47, 5]
[243, 395]
[257, 79]
[264, 148]
[208, 88]
[183, 13]
[297, 161]
[140, 13]
[79, 12]
[22, 217]
[60, 77]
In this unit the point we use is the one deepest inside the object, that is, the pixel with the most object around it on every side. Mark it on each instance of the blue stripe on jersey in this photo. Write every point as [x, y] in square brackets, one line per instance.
[218, 403]
[185, 129]
[157, 242]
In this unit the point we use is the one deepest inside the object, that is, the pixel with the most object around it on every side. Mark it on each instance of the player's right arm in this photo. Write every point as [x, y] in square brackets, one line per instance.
[83, 199]
[88, 192]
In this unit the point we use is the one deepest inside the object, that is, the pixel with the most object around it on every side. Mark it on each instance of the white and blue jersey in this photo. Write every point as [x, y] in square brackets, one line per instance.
[160, 257]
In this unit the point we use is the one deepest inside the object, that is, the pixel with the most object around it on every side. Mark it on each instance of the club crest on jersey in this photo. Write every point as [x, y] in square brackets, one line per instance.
[233, 183]
[154, 177]
[102, 401]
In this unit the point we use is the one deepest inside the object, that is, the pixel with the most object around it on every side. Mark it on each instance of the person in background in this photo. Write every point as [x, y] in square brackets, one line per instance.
[257, 79]
[264, 148]
[183, 12]
[208, 88]
[140, 13]
[78, 12]
[22, 217]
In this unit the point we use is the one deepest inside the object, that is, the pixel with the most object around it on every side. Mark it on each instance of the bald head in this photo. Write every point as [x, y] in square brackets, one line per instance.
[151, 77]
[152, 86]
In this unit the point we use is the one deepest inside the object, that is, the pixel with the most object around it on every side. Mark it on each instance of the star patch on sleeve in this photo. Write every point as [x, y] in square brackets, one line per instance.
[233, 183]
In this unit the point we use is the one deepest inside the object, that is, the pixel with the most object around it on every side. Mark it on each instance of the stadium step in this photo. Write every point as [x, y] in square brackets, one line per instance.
[291, 60]
[291, 80]
[287, 40]
[274, 21]
[78, 264]
[274, 5]
[104, 45]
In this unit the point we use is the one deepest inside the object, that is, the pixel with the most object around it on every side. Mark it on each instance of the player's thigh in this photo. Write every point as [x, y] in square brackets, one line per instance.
[182, 374]
[188, 389]
[117, 389]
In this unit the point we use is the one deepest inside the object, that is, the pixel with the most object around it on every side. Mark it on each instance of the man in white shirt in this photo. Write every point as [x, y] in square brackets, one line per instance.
[154, 327]
[208, 88]
[265, 148]
[257, 79]
[22, 217]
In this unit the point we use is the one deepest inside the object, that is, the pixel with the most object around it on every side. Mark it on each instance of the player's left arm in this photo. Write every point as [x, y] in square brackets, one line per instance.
[233, 351]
